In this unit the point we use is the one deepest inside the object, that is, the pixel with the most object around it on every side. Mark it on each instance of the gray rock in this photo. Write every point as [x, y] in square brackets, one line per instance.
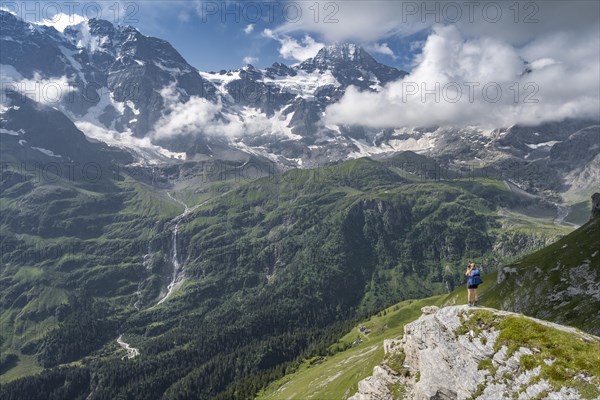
[595, 204]
[445, 365]
[429, 309]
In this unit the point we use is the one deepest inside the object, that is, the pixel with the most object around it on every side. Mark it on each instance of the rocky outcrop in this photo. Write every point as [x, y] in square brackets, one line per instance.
[595, 204]
[512, 243]
[446, 355]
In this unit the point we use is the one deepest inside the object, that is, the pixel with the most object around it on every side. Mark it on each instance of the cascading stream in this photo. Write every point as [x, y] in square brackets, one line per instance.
[178, 275]
[177, 278]
[132, 352]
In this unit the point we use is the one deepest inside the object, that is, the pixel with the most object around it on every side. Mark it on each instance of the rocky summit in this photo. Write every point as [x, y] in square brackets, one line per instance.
[483, 353]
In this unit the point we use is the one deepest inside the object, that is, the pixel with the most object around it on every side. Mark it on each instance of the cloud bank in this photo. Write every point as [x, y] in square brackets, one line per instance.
[200, 116]
[484, 81]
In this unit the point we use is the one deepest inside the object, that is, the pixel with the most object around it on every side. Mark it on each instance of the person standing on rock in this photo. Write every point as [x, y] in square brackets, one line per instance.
[473, 281]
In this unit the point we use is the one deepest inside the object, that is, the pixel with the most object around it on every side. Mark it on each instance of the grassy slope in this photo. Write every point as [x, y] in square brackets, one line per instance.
[571, 262]
[336, 377]
[343, 184]
[39, 272]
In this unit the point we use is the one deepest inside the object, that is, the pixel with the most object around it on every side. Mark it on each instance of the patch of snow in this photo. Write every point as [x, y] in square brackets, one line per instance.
[132, 107]
[86, 40]
[22, 142]
[160, 65]
[425, 142]
[221, 80]
[10, 39]
[69, 56]
[148, 152]
[304, 84]
[545, 144]
[256, 122]
[9, 132]
[106, 100]
[257, 151]
[47, 152]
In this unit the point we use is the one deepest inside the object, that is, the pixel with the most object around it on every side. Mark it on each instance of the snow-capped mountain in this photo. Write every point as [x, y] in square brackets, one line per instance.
[137, 92]
[116, 73]
[120, 84]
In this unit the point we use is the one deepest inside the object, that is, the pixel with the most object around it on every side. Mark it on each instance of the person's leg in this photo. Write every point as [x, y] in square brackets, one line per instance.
[469, 295]
[476, 296]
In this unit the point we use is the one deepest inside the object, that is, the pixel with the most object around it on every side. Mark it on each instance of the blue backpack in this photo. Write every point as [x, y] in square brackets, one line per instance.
[475, 278]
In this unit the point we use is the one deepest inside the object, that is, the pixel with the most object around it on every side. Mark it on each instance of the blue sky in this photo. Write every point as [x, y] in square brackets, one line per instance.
[214, 35]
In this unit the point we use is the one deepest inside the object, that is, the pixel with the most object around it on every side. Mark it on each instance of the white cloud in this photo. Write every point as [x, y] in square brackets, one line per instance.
[357, 21]
[373, 21]
[185, 118]
[249, 29]
[250, 60]
[416, 45]
[61, 21]
[184, 16]
[292, 49]
[200, 116]
[382, 48]
[8, 10]
[565, 72]
[51, 91]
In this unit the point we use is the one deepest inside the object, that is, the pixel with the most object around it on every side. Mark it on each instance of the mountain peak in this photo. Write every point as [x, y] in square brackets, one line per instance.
[351, 64]
[339, 55]
[342, 52]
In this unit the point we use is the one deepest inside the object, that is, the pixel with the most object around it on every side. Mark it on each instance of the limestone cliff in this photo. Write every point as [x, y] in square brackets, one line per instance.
[478, 353]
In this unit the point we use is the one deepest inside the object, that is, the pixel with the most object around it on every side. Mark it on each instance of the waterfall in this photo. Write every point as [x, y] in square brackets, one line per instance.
[177, 278]
[178, 275]
[147, 267]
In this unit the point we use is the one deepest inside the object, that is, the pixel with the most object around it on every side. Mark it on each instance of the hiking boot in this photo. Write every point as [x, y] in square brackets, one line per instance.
[470, 305]
[475, 304]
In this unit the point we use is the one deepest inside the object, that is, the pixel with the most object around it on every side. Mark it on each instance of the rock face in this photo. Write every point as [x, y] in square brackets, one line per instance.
[443, 356]
[595, 204]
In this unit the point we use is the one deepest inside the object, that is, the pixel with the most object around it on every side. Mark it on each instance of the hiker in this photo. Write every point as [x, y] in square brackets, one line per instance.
[474, 280]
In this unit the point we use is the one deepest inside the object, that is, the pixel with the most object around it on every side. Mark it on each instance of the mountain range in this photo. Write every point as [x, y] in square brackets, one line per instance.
[174, 233]
[139, 94]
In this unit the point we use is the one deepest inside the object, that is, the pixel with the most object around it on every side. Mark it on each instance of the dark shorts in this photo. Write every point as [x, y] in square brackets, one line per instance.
[472, 286]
